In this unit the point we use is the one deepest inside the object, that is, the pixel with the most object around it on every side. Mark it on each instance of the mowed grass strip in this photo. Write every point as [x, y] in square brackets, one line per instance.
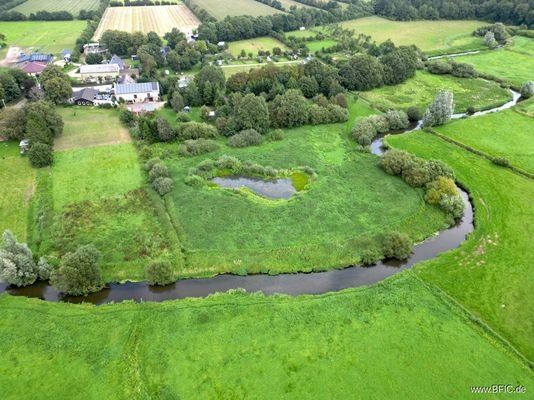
[74, 7]
[433, 37]
[514, 63]
[222, 9]
[305, 347]
[491, 273]
[88, 127]
[45, 36]
[94, 173]
[507, 134]
[17, 186]
[255, 45]
[421, 90]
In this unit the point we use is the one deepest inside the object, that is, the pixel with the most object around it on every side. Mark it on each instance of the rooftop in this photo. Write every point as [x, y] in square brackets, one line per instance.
[131, 88]
[99, 69]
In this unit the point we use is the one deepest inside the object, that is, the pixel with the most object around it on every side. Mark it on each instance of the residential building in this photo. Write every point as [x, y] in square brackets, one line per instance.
[92, 97]
[34, 68]
[99, 71]
[137, 92]
[116, 60]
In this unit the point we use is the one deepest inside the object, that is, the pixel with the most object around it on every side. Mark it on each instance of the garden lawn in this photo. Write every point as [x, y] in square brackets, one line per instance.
[421, 90]
[346, 210]
[17, 186]
[398, 339]
[507, 134]
[45, 36]
[74, 7]
[514, 63]
[433, 37]
[89, 126]
[255, 45]
[491, 273]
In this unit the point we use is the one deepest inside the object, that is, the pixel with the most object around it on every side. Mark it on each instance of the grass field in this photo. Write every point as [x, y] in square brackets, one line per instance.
[287, 4]
[159, 19]
[320, 44]
[327, 226]
[433, 37]
[491, 273]
[255, 45]
[514, 63]
[421, 90]
[221, 9]
[507, 134]
[46, 36]
[233, 346]
[301, 34]
[17, 179]
[74, 7]
[87, 127]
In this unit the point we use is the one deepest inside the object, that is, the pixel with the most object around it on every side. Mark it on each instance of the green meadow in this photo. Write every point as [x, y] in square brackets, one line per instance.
[255, 45]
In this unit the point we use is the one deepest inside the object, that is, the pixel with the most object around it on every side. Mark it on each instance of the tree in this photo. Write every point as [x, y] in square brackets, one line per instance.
[399, 65]
[93, 58]
[163, 185]
[289, 110]
[397, 119]
[56, 84]
[362, 72]
[210, 81]
[252, 112]
[440, 111]
[308, 86]
[173, 37]
[165, 131]
[16, 262]
[173, 61]
[79, 272]
[397, 245]
[12, 123]
[527, 90]
[40, 155]
[159, 273]
[490, 41]
[249, 137]
[177, 102]
[153, 38]
[37, 130]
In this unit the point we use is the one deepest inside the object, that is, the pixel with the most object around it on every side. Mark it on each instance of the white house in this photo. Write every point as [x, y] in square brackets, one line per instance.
[95, 71]
[137, 92]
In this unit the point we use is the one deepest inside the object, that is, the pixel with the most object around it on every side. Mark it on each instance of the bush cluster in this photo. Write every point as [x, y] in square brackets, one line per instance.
[368, 128]
[397, 245]
[197, 147]
[435, 177]
[159, 273]
[158, 174]
[461, 70]
[249, 137]
[527, 90]
[41, 155]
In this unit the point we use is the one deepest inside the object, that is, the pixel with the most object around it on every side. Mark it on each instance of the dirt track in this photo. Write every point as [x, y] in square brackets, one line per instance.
[11, 57]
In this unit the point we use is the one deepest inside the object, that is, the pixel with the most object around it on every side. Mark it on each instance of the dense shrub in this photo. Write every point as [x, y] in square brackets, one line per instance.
[150, 163]
[395, 162]
[463, 70]
[276, 135]
[158, 170]
[453, 206]
[364, 132]
[249, 137]
[165, 131]
[414, 114]
[370, 256]
[41, 155]
[16, 262]
[197, 147]
[501, 161]
[159, 273]
[195, 130]
[397, 245]
[397, 119]
[380, 123]
[228, 162]
[194, 181]
[440, 111]
[527, 90]
[183, 117]
[162, 185]
[44, 269]
[79, 272]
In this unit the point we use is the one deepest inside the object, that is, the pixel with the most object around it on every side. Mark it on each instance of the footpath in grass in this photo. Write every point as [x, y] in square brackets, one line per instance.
[514, 63]
[17, 186]
[421, 90]
[44, 36]
[491, 273]
[507, 134]
[433, 37]
[398, 339]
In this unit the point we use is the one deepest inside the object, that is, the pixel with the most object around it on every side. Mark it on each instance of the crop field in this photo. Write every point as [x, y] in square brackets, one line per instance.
[433, 37]
[255, 45]
[45, 36]
[508, 134]
[514, 63]
[290, 347]
[17, 179]
[87, 127]
[499, 250]
[159, 19]
[72, 6]
[222, 9]
[301, 234]
[421, 90]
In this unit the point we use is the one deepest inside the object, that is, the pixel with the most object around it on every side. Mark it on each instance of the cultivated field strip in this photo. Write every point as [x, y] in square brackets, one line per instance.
[159, 19]
[72, 6]
[220, 9]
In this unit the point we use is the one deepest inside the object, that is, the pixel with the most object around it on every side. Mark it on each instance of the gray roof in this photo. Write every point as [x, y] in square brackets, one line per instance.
[133, 88]
[85, 94]
[99, 69]
[117, 60]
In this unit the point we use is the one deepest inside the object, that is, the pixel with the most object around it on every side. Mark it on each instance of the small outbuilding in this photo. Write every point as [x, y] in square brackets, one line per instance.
[24, 146]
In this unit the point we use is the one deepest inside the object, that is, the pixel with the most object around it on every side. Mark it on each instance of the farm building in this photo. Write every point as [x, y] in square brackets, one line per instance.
[36, 57]
[34, 68]
[137, 92]
[116, 60]
[99, 71]
[91, 97]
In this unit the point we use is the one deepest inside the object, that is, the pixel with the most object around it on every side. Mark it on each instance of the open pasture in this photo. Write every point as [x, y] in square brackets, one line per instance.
[159, 19]
[514, 63]
[421, 90]
[222, 9]
[255, 45]
[433, 37]
[45, 36]
[72, 6]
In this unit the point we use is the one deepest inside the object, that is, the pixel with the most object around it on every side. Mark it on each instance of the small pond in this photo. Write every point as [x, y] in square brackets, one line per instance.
[270, 188]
